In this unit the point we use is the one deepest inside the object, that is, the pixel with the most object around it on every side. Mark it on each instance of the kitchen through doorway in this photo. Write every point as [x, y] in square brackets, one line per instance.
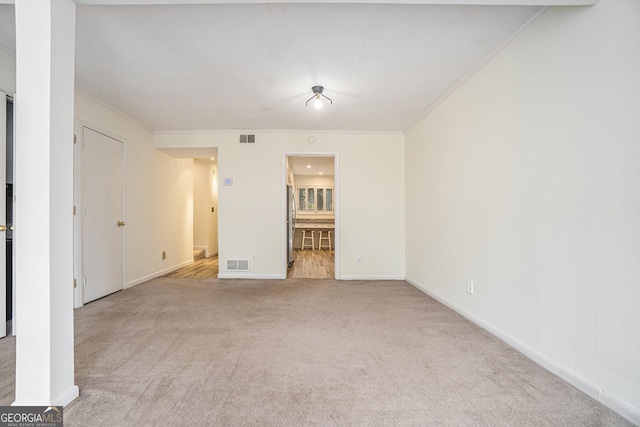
[310, 216]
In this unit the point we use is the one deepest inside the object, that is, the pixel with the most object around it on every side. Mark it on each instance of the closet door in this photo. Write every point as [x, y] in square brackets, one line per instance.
[102, 215]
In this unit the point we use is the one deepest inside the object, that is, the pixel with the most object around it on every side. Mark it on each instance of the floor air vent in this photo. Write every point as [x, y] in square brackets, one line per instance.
[237, 265]
[248, 139]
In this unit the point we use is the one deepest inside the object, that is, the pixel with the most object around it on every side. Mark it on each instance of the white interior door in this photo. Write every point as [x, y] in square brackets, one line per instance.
[3, 201]
[102, 215]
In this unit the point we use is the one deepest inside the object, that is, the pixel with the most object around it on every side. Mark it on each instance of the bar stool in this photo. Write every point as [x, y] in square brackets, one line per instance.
[322, 239]
[305, 238]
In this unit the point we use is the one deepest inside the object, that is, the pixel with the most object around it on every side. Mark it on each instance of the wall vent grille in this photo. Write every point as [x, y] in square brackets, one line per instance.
[237, 265]
[247, 139]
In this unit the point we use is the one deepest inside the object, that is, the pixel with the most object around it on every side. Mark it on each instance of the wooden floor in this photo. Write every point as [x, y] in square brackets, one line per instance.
[318, 264]
[205, 268]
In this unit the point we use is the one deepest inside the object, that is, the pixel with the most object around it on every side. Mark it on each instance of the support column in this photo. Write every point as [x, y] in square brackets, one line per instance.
[45, 53]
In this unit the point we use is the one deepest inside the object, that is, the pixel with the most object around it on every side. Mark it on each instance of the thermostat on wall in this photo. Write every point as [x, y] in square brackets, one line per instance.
[228, 181]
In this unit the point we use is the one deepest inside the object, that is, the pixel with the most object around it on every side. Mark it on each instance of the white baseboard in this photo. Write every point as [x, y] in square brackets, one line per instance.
[67, 396]
[583, 384]
[157, 274]
[243, 275]
[621, 407]
[207, 254]
[62, 399]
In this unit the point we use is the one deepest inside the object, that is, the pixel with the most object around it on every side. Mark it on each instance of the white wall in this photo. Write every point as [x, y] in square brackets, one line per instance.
[314, 180]
[158, 197]
[8, 86]
[527, 180]
[370, 197]
[7, 73]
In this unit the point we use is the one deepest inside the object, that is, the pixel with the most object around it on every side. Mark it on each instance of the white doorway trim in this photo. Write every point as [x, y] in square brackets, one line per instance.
[336, 205]
[3, 266]
[14, 327]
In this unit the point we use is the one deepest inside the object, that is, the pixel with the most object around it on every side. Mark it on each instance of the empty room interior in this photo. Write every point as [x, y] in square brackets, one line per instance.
[401, 213]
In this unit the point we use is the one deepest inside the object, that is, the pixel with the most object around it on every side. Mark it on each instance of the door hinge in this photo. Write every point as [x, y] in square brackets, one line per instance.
[84, 281]
[75, 283]
[74, 210]
[74, 138]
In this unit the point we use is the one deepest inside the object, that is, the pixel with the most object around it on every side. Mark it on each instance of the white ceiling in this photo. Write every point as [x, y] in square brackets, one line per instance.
[251, 66]
[204, 154]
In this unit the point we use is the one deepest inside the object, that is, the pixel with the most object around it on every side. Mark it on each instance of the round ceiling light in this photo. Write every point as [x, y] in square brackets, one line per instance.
[318, 95]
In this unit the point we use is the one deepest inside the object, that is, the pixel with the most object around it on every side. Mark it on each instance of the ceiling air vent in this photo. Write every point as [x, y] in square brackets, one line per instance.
[247, 139]
[237, 265]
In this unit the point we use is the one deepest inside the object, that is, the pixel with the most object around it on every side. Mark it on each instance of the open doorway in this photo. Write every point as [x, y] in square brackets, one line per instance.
[205, 212]
[7, 290]
[205, 218]
[310, 216]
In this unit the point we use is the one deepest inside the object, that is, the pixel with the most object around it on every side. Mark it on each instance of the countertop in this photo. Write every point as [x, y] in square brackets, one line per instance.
[308, 225]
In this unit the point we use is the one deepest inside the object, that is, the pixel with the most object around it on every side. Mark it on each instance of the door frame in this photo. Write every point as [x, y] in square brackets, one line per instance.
[11, 327]
[78, 249]
[3, 271]
[336, 204]
[13, 257]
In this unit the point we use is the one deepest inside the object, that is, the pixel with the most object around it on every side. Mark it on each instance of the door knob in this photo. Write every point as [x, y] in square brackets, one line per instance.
[2, 228]
[120, 223]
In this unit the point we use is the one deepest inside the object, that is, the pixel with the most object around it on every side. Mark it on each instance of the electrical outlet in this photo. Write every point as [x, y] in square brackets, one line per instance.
[470, 287]
[358, 260]
[164, 255]
[253, 257]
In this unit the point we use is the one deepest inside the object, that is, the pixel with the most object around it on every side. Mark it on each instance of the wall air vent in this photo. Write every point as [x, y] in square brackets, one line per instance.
[237, 265]
[247, 139]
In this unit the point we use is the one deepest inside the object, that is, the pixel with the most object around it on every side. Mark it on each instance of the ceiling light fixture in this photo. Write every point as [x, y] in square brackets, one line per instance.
[317, 94]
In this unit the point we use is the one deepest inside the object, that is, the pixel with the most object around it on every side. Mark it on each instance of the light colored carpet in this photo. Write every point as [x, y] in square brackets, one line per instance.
[302, 352]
